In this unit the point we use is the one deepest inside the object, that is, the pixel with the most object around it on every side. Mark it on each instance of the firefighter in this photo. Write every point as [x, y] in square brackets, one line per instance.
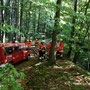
[60, 46]
[27, 43]
[36, 42]
[30, 43]
[41, 51]
[49, 47]
[14, 40]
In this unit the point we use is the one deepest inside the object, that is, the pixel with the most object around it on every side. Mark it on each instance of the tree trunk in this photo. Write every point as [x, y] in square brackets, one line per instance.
[87, 7]
[56, 25]
[3, 20]
[16, 16]
[38, 27]
[88, 48]
[0, 23]
[34, 21]
[21, 17]
[77, 53]
[73, 29]
[76, 57]
[10, 19]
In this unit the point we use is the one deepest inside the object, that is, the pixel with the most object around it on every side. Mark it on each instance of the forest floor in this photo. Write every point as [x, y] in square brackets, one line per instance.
[62, 76]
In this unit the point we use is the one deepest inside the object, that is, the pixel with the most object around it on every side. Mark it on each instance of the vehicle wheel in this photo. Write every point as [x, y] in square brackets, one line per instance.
[28, 57]
[11, 63]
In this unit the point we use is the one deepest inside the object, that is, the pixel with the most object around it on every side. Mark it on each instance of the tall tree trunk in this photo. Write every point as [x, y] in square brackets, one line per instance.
[16, 16]
[82, 25]
[38, 27]
[0, 24]
[10, 19]
[29, 20]
[56, 25]
[30, 15]
[3, 20]
[88, 48]
[87, 7]
[34, 21]
[73, 29]
[21, 17]
[78, 52]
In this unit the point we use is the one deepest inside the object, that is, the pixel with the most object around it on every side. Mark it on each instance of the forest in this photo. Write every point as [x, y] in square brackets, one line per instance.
[28, 20]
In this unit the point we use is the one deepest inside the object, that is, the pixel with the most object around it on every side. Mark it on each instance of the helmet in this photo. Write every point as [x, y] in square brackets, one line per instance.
[43, 40]
[61, 39]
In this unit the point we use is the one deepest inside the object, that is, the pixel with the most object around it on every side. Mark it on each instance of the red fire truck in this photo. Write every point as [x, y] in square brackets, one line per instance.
[13, 52]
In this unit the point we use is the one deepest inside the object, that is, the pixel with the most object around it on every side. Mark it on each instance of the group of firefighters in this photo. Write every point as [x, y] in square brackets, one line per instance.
[42, 48]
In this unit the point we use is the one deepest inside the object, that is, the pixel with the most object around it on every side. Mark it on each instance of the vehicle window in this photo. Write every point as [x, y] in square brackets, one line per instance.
[8, 50]
[25, 47]
[17, 48]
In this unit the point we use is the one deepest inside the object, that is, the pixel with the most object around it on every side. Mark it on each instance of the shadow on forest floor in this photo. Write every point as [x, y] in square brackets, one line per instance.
[62, 76]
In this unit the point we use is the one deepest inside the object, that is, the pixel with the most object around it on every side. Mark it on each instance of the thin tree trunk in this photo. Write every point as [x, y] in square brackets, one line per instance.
[34, 21]
[21, 17]
[38, 27]
[73, 29]
[56, 25]
[87, 7]
[77, 52]
[10, 21]
[0, 23]
[16, 16]
[88, 48]
[3, 18]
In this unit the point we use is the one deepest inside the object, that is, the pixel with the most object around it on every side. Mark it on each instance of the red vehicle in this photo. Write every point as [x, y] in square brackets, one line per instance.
[13, 52]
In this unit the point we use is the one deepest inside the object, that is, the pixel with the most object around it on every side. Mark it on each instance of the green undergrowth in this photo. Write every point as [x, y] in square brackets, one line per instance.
[48, 77]
[61, 76]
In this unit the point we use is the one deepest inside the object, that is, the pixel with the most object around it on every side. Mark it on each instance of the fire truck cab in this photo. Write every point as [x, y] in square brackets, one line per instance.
[13, 52]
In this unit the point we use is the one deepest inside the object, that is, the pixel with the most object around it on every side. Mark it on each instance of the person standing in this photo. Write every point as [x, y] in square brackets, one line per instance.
[60, 48]
[30, 43]
[41, 50]
[36, 42]
[48, 49]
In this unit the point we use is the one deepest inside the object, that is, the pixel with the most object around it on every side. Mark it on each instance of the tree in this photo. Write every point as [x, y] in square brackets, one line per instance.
[77, 52]
[21, 18]
[3, 21]
[56, 25]
[73, 28]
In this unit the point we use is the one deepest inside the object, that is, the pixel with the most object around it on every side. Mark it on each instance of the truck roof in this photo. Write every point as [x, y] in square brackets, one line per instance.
[9, 44]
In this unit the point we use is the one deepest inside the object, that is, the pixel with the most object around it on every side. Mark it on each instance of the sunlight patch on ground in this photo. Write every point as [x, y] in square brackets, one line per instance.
[38, 64]
[68, 62]
[58, 67]
[79, 80]
[68, 66]
[64, 67]
[27, 68]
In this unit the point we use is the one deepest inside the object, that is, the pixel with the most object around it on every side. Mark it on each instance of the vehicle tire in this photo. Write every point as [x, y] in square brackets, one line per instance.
[28, 57]
[11, 63]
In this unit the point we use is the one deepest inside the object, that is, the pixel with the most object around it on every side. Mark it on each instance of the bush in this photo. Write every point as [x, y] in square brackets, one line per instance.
[8, 76]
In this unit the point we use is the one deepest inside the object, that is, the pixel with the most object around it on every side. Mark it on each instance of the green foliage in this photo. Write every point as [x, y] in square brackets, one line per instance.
[8, 76]
[80, 87]
[38, 17]
[8, 28]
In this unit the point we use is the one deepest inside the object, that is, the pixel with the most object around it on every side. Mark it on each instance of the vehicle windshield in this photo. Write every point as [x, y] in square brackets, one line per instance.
[8, 50]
